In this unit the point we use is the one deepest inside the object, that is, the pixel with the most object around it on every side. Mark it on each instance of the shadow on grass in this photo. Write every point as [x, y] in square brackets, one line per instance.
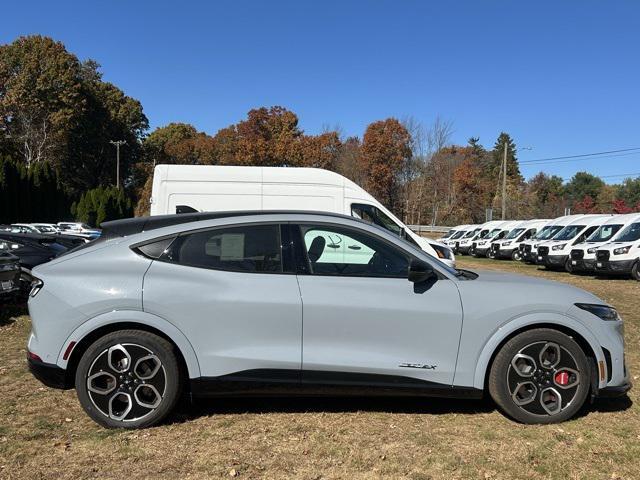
[191, 410]
[350, 404]
[10, 310]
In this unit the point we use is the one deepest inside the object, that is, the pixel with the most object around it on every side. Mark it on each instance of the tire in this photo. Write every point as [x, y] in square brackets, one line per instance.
[490, 254]
[531, 393]
[515, 255]
[568, 267]
[128, 379]
[635, 271]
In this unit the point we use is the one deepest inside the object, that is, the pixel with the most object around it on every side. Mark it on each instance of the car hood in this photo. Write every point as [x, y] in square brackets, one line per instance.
[521, 293]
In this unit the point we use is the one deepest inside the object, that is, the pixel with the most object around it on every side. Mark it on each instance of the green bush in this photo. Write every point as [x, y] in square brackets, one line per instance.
[102, 204]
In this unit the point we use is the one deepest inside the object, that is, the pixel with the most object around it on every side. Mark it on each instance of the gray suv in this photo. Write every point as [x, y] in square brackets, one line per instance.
[283, 302]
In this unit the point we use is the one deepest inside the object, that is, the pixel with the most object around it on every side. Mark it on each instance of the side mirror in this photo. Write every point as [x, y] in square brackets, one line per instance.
[420, 271]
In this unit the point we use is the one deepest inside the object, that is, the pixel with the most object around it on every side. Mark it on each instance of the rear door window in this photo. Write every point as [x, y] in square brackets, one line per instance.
[250, 248]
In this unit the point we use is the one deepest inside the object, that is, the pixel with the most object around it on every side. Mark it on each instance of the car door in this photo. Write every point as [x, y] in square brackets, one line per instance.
[365, 320]
[229, 291]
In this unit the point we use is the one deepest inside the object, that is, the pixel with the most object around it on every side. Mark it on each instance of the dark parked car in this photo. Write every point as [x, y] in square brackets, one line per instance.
[67, 241]
[31, 249]
[9, 274]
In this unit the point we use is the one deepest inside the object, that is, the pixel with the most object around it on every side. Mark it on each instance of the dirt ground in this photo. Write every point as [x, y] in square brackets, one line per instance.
[45, 434]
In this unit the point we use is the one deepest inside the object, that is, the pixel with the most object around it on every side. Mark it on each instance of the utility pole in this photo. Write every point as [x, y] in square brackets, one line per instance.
[118, 144]
[504, 182]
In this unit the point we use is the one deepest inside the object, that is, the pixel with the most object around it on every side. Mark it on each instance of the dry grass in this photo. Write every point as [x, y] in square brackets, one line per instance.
[45, 434]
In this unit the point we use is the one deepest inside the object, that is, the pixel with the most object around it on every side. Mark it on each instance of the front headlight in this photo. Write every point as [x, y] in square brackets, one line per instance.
[622, 250]
[535, 245]
[592, 250]
[601, 311]
[558, 247]
[482, 243]
[504, 244]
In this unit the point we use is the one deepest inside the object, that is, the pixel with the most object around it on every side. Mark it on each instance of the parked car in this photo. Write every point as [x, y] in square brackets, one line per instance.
[208, 188]
[509, 246]
[454, 240]
[9, 274]
[31, 249]
[622, 256]
[224, 300]
[79, 229]
[49, 228]
[481, 248]
[583, 256]
[465, 246]
[67, 241]
[529, 248]
[554, 253]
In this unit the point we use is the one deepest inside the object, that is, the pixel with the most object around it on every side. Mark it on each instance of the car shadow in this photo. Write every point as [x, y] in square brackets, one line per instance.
[191, 409]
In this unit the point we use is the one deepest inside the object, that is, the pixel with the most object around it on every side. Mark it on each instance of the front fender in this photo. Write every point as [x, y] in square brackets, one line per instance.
[143, 318]
[533, 319]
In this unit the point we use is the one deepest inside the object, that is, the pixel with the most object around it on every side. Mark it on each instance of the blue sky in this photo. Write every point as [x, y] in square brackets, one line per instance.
[561, 77]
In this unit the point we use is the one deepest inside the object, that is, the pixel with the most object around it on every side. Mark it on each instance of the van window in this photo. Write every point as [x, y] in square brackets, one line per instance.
[344, 252]
[374, 215]
[630, 234]
[251, 248]
[604, 233]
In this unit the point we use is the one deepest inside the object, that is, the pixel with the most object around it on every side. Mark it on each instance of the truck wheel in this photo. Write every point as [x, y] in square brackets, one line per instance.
[540, 376]
[635, 271]
[128, 379]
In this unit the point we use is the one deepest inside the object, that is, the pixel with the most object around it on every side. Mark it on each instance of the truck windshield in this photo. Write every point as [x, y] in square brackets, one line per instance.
[374, 215]
[458, 234]
[547, 232]
[471, 233]
[493, 233]
[604, 233]
[514, 233]
[569, 232]
[630, 234]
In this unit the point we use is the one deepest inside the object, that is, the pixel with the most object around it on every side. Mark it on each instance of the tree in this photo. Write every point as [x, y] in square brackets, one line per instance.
[320, 151]
[629, 191]
[494, 165]
[620, 206]
[40, 97]
[586, 205]
[545, 195]
[582, 185]
[386, 148]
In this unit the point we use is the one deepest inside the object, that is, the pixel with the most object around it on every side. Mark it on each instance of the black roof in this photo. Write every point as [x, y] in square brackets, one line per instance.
[131, 226]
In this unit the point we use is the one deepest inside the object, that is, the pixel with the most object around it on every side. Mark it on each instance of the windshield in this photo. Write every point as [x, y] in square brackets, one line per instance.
[458, 234]
[630, 234]
[603, 233]
[514, 233]
[493, 233]
[569, 232]
[471, 233]
[374, 215]
[548, 232]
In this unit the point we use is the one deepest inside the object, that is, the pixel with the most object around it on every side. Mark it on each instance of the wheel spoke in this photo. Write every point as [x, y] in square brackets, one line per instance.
[101, 383]
[525, 393]
[524, 365]
[120, 405]
[551, 400]
[566, 378]
[147, 396]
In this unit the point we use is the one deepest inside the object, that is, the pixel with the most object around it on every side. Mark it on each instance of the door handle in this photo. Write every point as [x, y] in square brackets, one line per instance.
[355, 247]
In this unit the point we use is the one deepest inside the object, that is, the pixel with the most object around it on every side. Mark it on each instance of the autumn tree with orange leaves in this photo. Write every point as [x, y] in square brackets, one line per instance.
[386, 148]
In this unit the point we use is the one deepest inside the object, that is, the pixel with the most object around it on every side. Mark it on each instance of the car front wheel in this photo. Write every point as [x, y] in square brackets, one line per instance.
[128, 379]
[540, 376]
[635, 271]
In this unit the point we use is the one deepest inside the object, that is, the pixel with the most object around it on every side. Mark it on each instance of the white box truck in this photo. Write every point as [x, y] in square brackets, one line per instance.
[212, 188]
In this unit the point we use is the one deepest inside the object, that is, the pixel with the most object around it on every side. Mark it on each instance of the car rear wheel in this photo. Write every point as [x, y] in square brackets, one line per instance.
[516, 256]
[128, 379]
[540, 376]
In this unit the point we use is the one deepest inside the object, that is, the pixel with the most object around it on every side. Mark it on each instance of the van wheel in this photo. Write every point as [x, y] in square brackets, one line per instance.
[515, 255]
[568, 266]
[635, 271]
[540, 376]
[128, 379]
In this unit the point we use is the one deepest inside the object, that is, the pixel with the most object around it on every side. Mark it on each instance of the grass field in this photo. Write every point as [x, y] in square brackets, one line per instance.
[45, 434]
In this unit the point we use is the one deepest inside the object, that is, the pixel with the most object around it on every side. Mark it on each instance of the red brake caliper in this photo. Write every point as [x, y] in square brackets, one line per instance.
[562, 378]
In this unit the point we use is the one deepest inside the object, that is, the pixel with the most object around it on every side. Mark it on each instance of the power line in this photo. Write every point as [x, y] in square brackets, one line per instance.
[550, 162]
[594, 154]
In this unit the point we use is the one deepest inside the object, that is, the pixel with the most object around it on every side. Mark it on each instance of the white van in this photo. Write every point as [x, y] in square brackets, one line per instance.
[622, 255]
[554, 253]
[466, 242]
[481, 247]
[461, 231]
[210, 188]
[529, 248]
[509, 246]
[583, 256]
